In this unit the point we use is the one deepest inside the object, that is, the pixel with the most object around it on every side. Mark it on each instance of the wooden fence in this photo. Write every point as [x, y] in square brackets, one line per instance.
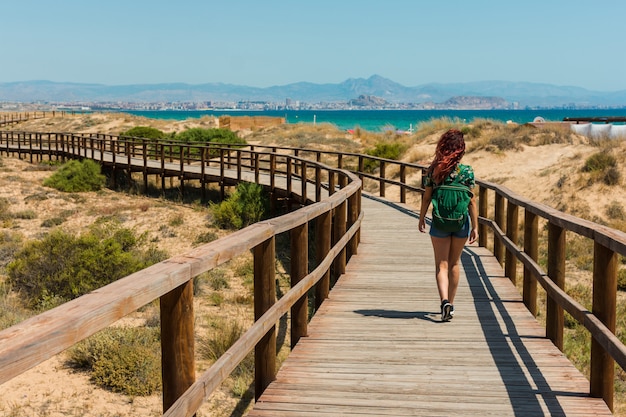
[14, 118]
[499, 210]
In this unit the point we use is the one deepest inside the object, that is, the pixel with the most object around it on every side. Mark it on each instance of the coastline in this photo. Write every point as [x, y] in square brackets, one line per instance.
[381, 120]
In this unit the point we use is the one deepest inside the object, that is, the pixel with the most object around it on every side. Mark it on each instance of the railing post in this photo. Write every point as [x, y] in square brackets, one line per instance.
[144, 149]
[303, 182]
[238, 151]
[353, 215]
[264, 298]
[605, 269]
[381, 183]
[361, 167]
[299, 269]
[322, 247]
[272, 183]
[498, 247]
[403, 181]
[531, 247]
[339, 229]
[512, 223]
[177, 343]
[331, 182]
[556, 272]
[204, 162]
[318, 183]
[483, 207]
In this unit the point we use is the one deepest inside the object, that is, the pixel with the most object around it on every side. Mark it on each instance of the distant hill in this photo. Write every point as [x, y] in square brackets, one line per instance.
[523, 93]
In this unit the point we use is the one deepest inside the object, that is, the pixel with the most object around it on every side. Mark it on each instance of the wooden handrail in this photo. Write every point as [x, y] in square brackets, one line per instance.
[9, 118]
[600, 322]
[502, 222]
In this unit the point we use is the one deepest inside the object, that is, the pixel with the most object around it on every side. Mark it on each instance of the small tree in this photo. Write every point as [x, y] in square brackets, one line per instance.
[245, 206]
[145, 132]
[202, 136]
[64, 266]
[77, 176]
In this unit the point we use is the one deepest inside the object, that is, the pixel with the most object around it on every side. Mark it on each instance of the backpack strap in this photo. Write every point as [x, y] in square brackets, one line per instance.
[454, 185]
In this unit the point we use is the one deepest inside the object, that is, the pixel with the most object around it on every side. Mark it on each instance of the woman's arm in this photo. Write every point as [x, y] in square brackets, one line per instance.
[426, 197]
[473, 213]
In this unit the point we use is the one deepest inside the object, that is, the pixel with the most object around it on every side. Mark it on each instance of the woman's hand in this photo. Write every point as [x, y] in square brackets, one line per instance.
[422, 226]
[473, 236]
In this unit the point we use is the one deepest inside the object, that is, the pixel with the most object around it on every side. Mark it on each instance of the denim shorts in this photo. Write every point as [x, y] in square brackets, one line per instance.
[463, 233]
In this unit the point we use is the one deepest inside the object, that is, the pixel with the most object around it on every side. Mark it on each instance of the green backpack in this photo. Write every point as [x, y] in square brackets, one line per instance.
[450, 206]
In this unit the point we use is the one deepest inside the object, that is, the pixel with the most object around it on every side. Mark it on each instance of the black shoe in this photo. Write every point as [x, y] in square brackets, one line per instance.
[446, 310]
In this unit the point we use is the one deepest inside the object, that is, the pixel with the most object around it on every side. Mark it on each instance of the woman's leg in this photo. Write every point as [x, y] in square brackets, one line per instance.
[453, 263]
[441, 248]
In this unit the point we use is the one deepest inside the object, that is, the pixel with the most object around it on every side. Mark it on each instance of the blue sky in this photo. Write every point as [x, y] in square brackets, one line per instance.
[278, 42]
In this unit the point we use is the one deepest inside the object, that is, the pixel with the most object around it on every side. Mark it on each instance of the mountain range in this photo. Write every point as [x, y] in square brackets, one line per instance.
[523, 94]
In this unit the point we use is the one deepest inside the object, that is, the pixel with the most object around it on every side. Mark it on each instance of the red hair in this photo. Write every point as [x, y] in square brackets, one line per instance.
[450, 150]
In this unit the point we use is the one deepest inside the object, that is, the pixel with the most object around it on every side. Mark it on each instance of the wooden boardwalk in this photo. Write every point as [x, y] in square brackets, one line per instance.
[377, 346]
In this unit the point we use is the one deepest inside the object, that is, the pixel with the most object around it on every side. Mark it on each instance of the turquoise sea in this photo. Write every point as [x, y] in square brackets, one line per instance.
[378, 120]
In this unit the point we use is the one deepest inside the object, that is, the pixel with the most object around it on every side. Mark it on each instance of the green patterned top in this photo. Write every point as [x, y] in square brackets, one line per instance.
[464, 172]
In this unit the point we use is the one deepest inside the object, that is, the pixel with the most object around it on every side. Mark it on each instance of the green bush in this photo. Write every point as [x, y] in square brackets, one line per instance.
[123, 359]
[385, 150]
[216, 135]
[64, 266]
[145, 132]
[77, 176]
[202, 137]
[245, 206]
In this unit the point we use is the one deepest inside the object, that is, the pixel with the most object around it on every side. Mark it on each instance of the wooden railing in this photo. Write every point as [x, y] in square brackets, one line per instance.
[499, 210]
[14, 118]
[336, 217]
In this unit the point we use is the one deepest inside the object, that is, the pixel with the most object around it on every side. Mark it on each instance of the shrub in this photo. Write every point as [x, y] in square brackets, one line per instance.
[145, 132]
[245, 206]
[202, 136]
[216, 135]
[621, 280]
[384, 150]
[615, 211]
[206, 237]
[218, 280]
[600, 161]
[225, 334]
[25, 215]
[77, 176]
[612, 176]
[123, 359]
[505, 143]
[10, 243]
[5, 212]
[603, 167]
[67, 266]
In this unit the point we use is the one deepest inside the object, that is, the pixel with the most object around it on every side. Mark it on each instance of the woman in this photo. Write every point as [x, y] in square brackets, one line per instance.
[446, 169]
